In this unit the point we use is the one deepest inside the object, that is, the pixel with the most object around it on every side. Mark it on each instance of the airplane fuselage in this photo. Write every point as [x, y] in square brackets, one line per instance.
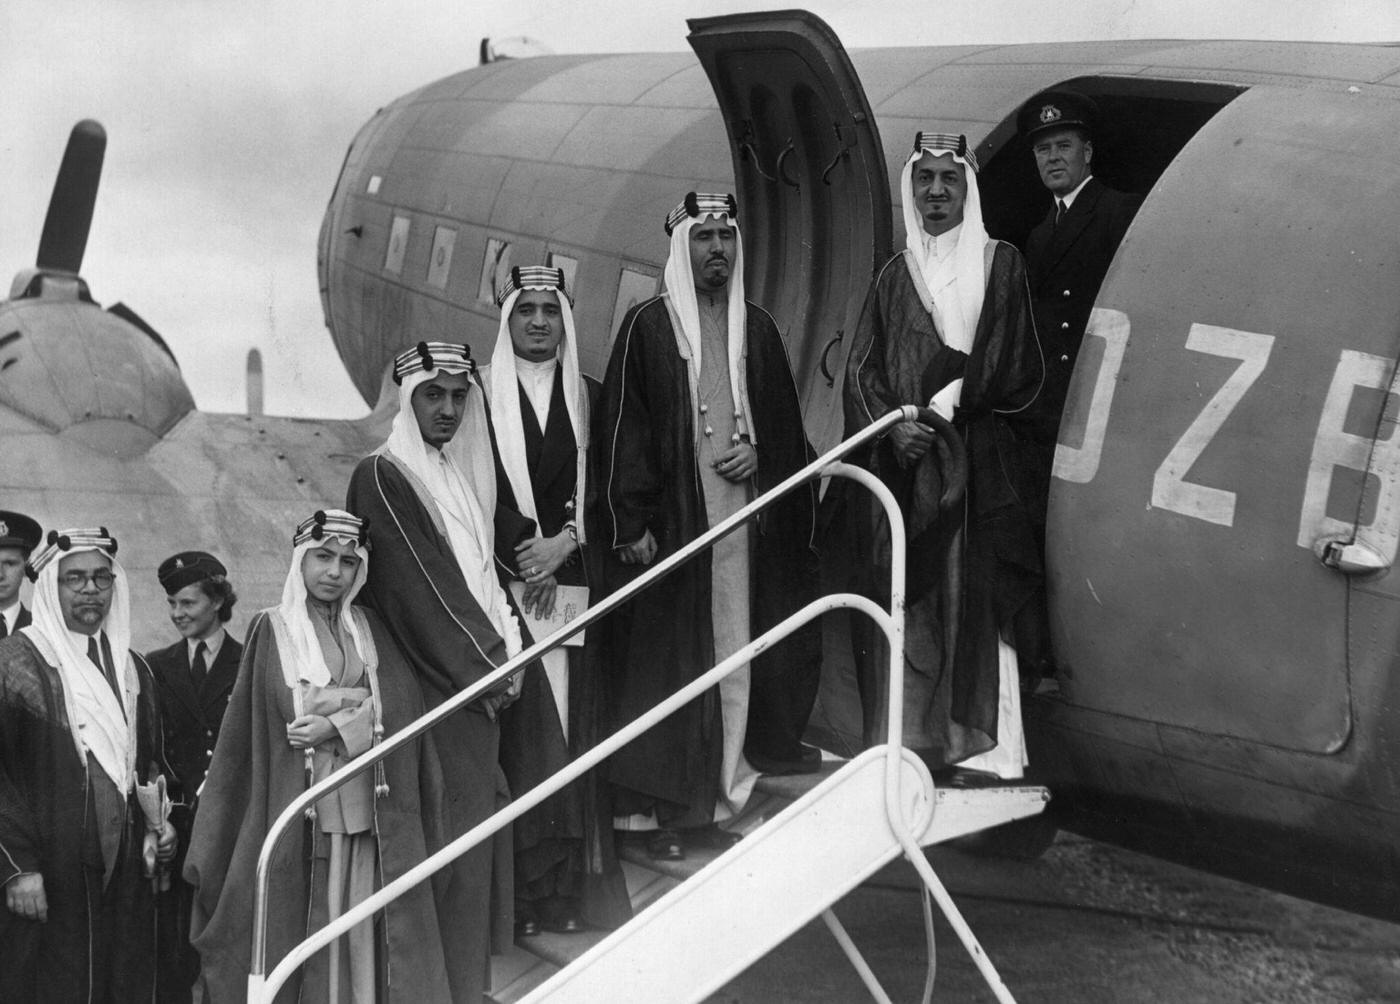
[1223, 519]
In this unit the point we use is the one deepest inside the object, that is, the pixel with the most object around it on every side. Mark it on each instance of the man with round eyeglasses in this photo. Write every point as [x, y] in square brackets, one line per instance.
[80, 750]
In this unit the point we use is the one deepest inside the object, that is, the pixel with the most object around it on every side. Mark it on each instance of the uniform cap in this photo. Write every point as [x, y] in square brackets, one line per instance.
[186, 568]
[1057, 110]
[18, 530]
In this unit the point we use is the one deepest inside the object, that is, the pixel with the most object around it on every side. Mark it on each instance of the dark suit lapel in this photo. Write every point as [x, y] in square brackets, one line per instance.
[176, 677]
[24, 618]
[534, 435]
[1076, 220]
[558, 450]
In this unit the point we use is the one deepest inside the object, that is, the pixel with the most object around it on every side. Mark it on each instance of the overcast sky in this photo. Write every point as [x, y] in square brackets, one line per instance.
[227, 123]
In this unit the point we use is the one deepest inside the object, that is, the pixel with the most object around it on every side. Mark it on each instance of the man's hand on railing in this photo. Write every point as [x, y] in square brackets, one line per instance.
[639, 552]
[911, 440]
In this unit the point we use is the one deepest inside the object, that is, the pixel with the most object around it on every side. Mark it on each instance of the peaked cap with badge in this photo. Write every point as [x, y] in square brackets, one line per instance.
[18, 530]
[186, 568]
[1057, 109]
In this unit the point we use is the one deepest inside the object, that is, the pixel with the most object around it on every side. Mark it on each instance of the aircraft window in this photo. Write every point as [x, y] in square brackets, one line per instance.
[374, 182]
[633, 286]
[570, 268]
[398, 245]
[440, 264]
[494, 269]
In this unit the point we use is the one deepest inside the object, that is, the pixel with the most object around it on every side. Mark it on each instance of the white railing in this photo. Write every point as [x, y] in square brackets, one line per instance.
[263, 987]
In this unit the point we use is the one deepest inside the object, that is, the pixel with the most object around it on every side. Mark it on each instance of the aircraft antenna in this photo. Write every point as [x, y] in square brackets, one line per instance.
[255, 384]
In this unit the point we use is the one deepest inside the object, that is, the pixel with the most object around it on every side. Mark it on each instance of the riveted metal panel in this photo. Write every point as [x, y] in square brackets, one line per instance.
[1249, 323]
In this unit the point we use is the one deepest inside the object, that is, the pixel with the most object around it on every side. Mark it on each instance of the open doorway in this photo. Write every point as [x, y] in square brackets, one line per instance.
[1143, 125]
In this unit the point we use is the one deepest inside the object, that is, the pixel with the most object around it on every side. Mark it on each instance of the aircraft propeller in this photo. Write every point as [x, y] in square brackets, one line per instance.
[69, 218]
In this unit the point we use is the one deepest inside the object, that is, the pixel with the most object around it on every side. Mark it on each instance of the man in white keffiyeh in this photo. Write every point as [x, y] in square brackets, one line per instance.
[430, 494]
[566, 873]
[82, 735]
[948, 326]
[700, 413]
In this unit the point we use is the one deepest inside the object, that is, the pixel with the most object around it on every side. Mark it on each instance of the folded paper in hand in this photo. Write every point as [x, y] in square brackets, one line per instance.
[569, 602]
[155, 806]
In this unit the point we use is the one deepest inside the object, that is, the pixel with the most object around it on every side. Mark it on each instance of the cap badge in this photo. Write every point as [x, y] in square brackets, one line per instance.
[179, 562]
[4, 528]
[1049, 113]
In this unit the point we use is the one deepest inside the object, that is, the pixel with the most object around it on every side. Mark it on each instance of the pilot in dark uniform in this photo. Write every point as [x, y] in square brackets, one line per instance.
[1067, 256]
[19, 535]
[194, 678]
[1069, 251]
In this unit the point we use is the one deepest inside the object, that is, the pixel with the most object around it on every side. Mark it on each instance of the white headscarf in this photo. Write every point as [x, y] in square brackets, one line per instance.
[502, 383]
[957, 283]
[100, 724]
[680, 288]
[307, 662]
[463, 491]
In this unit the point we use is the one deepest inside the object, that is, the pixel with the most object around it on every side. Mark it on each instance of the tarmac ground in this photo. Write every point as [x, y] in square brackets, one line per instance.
[1087, 923]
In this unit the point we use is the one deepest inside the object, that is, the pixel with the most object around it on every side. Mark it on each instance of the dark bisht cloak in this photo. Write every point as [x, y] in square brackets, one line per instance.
[46, 813]
[564, 846]
[417, 588]
[970, 571]
[647, 478]
[255, 774]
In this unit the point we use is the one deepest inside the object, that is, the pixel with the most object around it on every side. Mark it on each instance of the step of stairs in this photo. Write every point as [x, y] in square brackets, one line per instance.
[529, 964]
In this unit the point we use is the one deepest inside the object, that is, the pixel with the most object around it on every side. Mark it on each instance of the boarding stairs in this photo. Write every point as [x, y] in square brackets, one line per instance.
[809, 841]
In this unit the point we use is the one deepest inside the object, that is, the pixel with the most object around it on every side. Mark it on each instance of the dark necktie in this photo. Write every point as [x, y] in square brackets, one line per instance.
[200, 667]
[4, 627]
[104, 665]
[1059, 213]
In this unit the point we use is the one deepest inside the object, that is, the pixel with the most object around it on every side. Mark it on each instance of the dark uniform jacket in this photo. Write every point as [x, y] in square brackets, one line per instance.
[190, 716]
[1067, 265]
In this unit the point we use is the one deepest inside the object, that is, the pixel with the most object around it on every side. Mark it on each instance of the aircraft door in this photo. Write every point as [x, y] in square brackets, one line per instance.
[814, 201]
[1229, 453]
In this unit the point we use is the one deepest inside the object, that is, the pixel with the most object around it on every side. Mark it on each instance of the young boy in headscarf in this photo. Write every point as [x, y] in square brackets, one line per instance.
[321, 682]
[947, 325]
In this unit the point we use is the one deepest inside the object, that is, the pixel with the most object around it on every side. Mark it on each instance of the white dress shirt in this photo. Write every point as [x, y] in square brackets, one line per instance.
[212, 644]
[1068, 200]
[538, 380]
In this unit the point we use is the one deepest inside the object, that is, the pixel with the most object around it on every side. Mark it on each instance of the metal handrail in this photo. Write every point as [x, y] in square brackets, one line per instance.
[260, 988]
